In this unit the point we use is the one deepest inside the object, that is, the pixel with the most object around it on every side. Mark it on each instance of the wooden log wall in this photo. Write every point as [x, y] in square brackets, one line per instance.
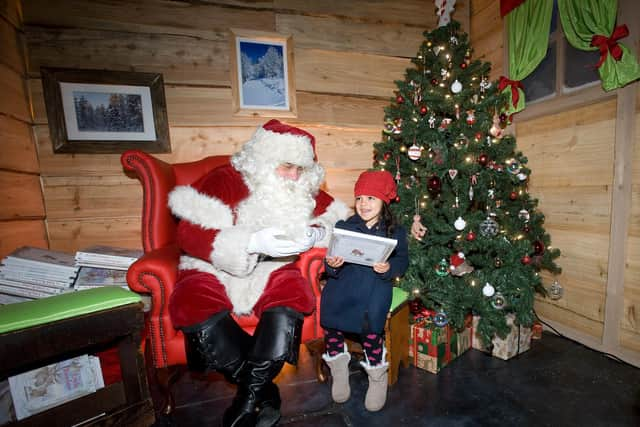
[347, 56]
[585, 172]
[21, 204]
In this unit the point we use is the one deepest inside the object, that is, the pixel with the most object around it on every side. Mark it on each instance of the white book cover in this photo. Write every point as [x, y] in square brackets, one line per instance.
[12, 299]
[23, 292]
[43, 258]
[24, 285]
[109, 254]
[36, 280]
[43, 388]
[360, 248]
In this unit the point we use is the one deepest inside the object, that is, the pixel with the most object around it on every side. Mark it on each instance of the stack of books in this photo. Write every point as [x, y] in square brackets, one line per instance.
[104, 266]
[30, 273]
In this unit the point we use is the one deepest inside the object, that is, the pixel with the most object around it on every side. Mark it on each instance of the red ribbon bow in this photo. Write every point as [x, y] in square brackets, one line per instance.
[515, 84]
[609, 44]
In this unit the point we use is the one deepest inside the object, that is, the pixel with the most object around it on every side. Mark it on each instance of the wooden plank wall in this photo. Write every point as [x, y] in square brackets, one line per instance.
[581, 187]
[630, 323]
[347, 55]
[21, 202]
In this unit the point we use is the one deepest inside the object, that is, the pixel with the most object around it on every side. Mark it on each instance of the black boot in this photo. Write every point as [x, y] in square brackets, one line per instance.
[277, 340]
[217, 344]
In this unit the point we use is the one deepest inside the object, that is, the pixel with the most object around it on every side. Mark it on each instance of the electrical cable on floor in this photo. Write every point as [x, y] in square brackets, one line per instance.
[614, 357]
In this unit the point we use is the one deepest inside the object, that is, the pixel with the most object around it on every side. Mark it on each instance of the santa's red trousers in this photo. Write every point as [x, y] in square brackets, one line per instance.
[199, 295]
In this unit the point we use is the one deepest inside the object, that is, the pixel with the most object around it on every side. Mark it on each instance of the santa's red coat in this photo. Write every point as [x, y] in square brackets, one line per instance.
[216, 271]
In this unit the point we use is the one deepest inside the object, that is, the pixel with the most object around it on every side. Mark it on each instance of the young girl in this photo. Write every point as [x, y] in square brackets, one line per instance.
[356, 298]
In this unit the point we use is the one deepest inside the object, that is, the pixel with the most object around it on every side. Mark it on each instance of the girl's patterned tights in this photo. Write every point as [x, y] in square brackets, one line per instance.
[371, 343]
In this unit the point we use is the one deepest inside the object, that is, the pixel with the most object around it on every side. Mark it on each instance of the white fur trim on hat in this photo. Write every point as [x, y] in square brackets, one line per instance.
[272, 149]
[208, 212]
[229, 252]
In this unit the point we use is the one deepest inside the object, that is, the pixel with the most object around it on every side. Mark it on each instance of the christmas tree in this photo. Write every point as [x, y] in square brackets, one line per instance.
[460, 176]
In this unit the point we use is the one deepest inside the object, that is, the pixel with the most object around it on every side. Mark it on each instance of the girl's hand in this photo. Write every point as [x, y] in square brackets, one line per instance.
[335, 261]
[381, 267]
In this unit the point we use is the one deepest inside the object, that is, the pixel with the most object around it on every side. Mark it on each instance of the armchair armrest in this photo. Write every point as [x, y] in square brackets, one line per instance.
[155, 272]
[311, 265]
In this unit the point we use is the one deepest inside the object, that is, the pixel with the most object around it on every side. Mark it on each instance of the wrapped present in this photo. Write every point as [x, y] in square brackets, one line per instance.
[432, 348]
[536, 330]
[517, 341]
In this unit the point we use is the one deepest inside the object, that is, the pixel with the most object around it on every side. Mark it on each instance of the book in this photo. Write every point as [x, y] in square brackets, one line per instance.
[23, 292]
[43, 388]
[360, 248]
[12, 299]
[41, 260]
[92, 276]
[36, 279]
[101, 256]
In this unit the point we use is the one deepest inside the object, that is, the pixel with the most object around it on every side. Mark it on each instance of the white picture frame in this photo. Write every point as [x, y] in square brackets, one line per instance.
[360, 248]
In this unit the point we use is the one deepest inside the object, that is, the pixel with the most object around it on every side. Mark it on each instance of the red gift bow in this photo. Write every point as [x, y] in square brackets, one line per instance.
[515, 84]
[609, 44]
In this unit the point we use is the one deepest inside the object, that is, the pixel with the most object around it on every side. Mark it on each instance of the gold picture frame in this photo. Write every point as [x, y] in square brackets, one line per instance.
[262, 74]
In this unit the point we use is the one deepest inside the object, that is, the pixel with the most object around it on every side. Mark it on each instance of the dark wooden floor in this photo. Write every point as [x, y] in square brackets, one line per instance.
[556, 383]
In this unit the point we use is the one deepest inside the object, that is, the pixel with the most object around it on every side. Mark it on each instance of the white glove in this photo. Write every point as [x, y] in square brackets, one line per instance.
[272, 242]
[312, 235]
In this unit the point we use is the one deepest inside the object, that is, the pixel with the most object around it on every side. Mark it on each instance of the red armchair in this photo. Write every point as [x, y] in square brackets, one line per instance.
[155, 272]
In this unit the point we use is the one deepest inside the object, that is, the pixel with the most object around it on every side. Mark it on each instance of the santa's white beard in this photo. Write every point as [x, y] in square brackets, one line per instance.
[278, 202]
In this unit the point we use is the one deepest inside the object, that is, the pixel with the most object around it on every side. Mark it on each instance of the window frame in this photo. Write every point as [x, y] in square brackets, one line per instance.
[563, 99]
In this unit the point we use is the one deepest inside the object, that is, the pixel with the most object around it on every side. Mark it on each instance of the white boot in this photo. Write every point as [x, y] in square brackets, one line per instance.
[378, 375]
[339, 365]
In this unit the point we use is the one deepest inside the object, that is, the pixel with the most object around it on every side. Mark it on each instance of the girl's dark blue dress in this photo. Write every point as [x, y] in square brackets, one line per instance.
[356, 298]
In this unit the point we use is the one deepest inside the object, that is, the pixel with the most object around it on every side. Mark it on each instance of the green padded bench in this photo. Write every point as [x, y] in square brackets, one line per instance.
[38, 333]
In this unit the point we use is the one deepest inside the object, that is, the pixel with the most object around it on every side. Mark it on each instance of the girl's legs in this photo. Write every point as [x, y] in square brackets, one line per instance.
[337, 358]
[333, 342]
[373, 345]
[376, 368]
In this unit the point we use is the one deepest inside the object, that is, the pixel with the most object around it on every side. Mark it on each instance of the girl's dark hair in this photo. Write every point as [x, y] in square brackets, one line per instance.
[389, 219]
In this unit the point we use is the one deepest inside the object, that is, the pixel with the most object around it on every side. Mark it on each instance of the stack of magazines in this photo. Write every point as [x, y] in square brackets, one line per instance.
[104, 266]
[30, 273]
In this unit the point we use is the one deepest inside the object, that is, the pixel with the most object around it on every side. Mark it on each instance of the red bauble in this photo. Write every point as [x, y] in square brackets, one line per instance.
[526, 229]
[538, 247]
[513, 195]
[387, 156]
[434, 185]
[503, 117]
[434, 81]
[399, 99]
[478, 136]
[471, 236]
[463, 65]
[397, 199]
[423, 110]
[526, 260]
[483, 159]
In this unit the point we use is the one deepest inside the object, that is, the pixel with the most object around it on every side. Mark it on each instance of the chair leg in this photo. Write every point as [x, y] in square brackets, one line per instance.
[166, 377]
[316, 348]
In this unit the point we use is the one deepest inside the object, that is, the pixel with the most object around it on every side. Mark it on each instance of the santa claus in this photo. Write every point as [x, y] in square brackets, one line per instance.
[241, 227]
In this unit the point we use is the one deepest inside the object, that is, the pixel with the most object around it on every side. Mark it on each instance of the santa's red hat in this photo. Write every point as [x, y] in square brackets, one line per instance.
[284, 129]
[276, 143]
[379, 184]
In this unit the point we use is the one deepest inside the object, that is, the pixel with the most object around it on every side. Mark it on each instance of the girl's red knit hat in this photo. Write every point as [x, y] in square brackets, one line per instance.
[376, 183]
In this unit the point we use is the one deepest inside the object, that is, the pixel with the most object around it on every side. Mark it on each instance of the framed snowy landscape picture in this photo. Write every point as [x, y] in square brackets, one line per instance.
[262, 74]
[97, 111]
